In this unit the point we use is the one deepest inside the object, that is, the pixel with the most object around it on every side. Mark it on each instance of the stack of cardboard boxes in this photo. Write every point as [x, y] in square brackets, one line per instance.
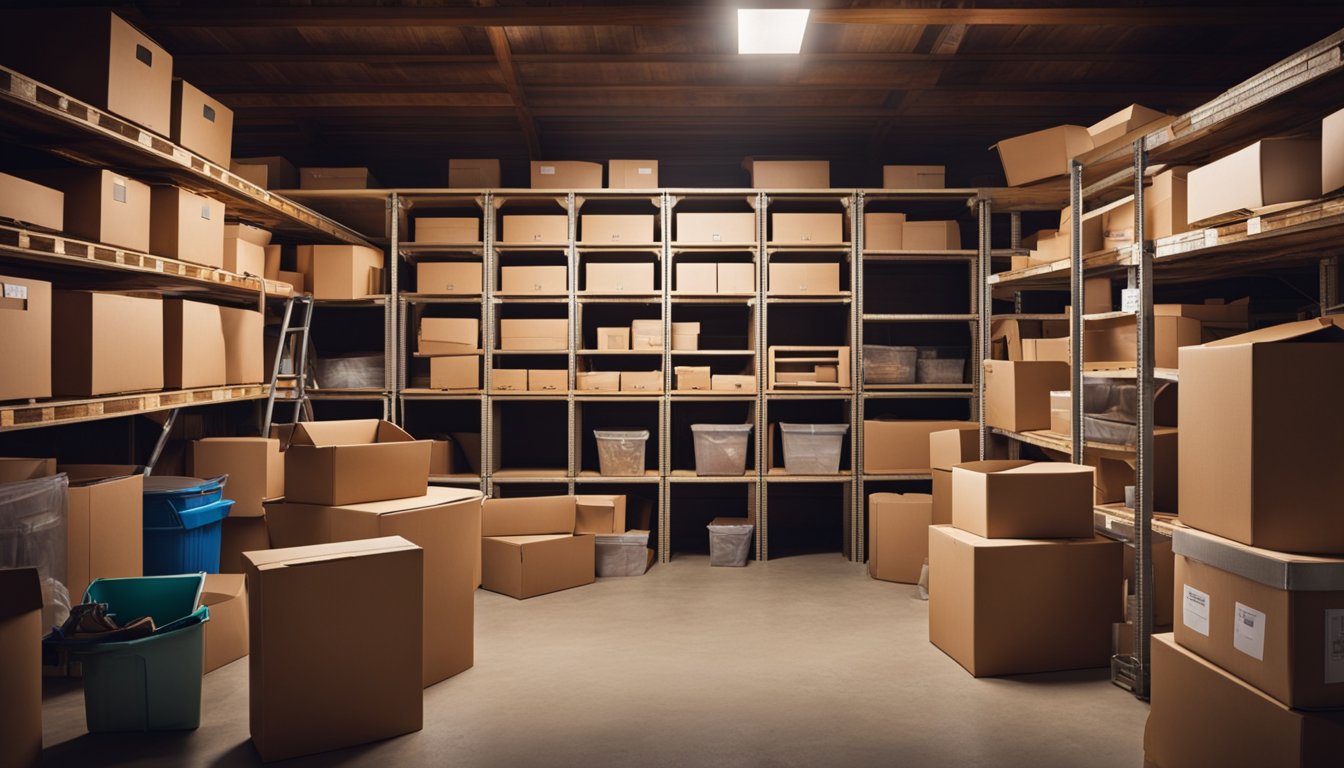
[715, 277]
[893, 231]
[452, 345]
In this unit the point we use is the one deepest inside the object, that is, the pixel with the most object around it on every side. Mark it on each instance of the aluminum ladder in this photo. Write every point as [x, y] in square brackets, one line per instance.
[292, 345]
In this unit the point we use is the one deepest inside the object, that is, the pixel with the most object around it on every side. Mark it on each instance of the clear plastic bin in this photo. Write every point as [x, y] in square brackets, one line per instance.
[721, 449]
[32, 535]
[730, 541]
[941, 370]
[621, 453]
[888, 365]
[622, 554]
[812, 449]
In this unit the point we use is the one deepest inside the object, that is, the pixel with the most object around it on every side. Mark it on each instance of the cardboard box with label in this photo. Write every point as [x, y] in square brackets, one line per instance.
[632, 174]
[550, 335]
[599, 514]
[1017, 606]
[697, 277]
[947, 448]
[642, 381]
[202, 124]
[243, 258]
[736, 277]
[193, 345]
[538, 280]
[1249, 470]
[790, 278]
[618, 277]
[930, 236]
[520, 229]
[447, 230]
[716, 228]
[1022, 499]
[693, 377]
[1269, 172]
[883, 231]
[1017, 393]
[254, 465]
[104, 530]
[807, 228]
[443, 459]
[1042, 154]
[598, 381]
[21, 631]
[272, 172]
[103, 343]
[901, 446]
[226, 633]
[913, 176]
[443, 278]
[566, 174]
[790, 174]
[448, 335]
[30, 204]
[445, 523]
[473, 173]
[313, 690]
[244, 345]
[613, 339]
[547, 380]
[103, 207]
[336, 178]
[189, 227]
[732, 382]
[604, 229]
[345, 272]
[898, 535]
[528, 546]
[646, 334]
[352, 462]
[26, 335]
[508, 380]
[455, 372]
[239, 535]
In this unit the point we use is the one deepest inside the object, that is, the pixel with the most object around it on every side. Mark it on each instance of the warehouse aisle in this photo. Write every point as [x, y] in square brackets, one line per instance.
[799, 661]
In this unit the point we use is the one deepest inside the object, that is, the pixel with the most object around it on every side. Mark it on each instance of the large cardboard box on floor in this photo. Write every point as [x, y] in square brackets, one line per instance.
[1250, 469]
[1272, 619]
[25, 338]
[901, 446]
[272, 172]
[790, 174]
[445, 523]
[715, 228]
[104, 513]
[193, 345]
[449, 230]
[541, 228]
[1017, 393]
[534, 334]
[566, 174]
[632, 174]
[883, 231]
[351, 462]
[914, 176]
[21, 633]
[1267, 173]
[103, 207]
[104, 343]
[336, 178]
[1204, 716]
[1042, 154]
[313, 688]
[226, 633]
[604, 229]
[1022, 499]
[255, 467]
[599, 514]
[202, 124]
[1020, 606]
[448, 335]
[473, 174]
[898, 535]
[239, 535]
[793, 278]
[344, 271]
[948, 448]
[807, 228]
[244, 345]
[528, 546]
[448, 277]
[31, 204]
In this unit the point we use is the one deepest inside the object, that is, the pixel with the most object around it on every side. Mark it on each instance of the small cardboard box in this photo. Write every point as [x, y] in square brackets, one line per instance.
[646, 334]
[244, 345]
[26, 338]
[226, 633]
[599, 514]
[528, 515]
[632, 174]
[508, 380]
[104, 207]
[443, 458]
[641, 381]
[455, 372]
[902, 446]
[1117, 125]
[243, 258]
[732, 382]
[603, 229]
[336, 178]
[202, 124]
[1017, 393]
[536, 335]
[448, 335]
[193, 345]
[443, 278]
[566, 174]
[883, 231]
[685, 342]
[1046, 350]
[272, 172]
[1042, 154]
[716, 228]
[295, 279]
[543, 280]
[1023, 499]
[255, 467]
[344, 271]
[188, 227]
[104, 537]
[1332, 152]
[697, 277]
[613, 339]
[614, 277]
[1268, 172]
[31, 205]
[1015, 606]
[790, 278]
[898, 535]
[807, 228]
[1204, 715]
[447, 230]
[948, 448]
[737, 277]
[473, 174]
[103, 343]
[547, 380]
[527, 566]
[693, 377]
[930, 236]
[311, 691]
[790, 174]
[598, 381]
[913, 177]
[15, 469]
[239, 535]
[351, 462]
[21, 630]
[1249, 471]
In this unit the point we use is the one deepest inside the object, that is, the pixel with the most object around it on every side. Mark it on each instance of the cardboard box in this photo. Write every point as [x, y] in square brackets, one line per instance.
[448, 335]
[736, 277]
[1017, 393]
[1165, 205]
[609, 277]
[543, 380]
[1268, 172]
[226, 633]
[443, 457]
[21, 630]
[1045, 350]
[105, 61]
[685, 342]
[243, 258]
[597, 381]
[632, 174]
[527, 566]
[26, 338]
[473, 174]
[541, 335]
[641, 381]
[202, 124]
[312, 690]
[1272, 619]
[898, 535]
[272, 172]
[1202, 715]
[1332, 152]
[239, 535]
[254, 465]
[732, 382]
[104, 514]
[336, 178]
[902, 447]
[1015, 606]
[543, 280]
[1007, 335]
[1115, 339]
[244, 345]
[646, 334]
[446, 524]
[1249, 471]
[790, 174]
[1042, 154]
[913, 177]
[698, 277]
[455, 372]
[193, 345]
[448, 277]
[508, 380]
[930, 236]
[345, 272]
[1163, 585]
[566, 174]
[296, 279]
[1023, 499]
[351, 462]
[807, 228]
[528, 515]
[31, 205]
[789, 278]
[602, 229]
[105, 343]
[438, 230]
[693, 377]
[599, 514]
[716, 228]
[17, 469]
[1123, 122]
[613, 339]
[883, 231]
[948, 448]
[103, 207]
[189, 227]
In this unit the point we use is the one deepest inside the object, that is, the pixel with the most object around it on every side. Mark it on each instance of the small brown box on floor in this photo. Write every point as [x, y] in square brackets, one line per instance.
[566, 174]
[103, 207]
[901, 446]
[238, 535]
[716, 228]
[21, 631]
[31, 204]
[193, 345]
[543, 380]
[1022, 499]
[930, 236]
[202, 124]
[543, 280]
[624, 277]
[273, 172]
[254, 465]
[226, 633]
[473, 174]
[244, 345]
[883, 231]
[26, 338]
[103, 343]
[626, 229]
[790, 278]
[508, 380]
[311, 691]
[1042, 154]
[104, 519]
[550, 335]
[913, 177]
[448, 277]
[737, 277]
[898, 535]
[188, 227]
[613, 339]
[807, 228]
[451, 230]
[448, 335]
[455, 372]
[790, 174]
[599, 514]
[345, 272]
[641, 381]
[597, 381]
[528, 547]
[1017, 393]
[697, 277]
[732, 382]
[336, 178]
[351, 462]
[693, 377]
[632, 174]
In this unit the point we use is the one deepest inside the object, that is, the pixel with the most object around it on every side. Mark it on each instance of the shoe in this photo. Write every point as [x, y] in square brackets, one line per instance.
[90, 622]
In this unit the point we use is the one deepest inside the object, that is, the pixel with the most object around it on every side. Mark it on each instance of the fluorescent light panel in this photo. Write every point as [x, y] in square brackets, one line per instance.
[770, 30]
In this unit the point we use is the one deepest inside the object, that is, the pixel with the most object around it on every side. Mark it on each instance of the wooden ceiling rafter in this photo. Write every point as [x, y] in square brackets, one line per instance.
[499, 43]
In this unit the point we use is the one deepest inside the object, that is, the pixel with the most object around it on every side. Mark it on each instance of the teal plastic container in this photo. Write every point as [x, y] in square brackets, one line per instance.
[154, 683]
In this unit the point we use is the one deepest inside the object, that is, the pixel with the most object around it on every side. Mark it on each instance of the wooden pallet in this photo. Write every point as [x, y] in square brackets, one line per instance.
[46, 413]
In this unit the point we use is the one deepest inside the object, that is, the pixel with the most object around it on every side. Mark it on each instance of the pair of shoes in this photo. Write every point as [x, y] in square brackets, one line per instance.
[90, 622]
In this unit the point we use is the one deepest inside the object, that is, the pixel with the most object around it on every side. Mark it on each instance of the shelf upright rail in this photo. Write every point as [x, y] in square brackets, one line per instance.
[761, 504]
[575, 342]
[663, 521]
[1076, 284]
[394, 315]
[488, 272]
[858, 458]
[984, 306]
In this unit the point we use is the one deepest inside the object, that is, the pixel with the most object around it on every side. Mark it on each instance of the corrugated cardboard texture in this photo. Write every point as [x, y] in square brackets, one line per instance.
[31, 204]
[448, 335]
[550, 335]
[16, 469]
[697, 277]
[898, 535]
[930, 236]
[273, 172]
[255, 466]
[1332, 152]
[25, 339]
[528, 516]
[527, 566]
[452, 230]
[950, 447]
[913, 176]
[104, 343]
[202, 124]
[901, 446]
[737, 277]
[336, 178]
[448, 277]
[546, 229]
[21, 633]
[193, 345]
[599, 514]
[345, 272]
[540, 380]
[239, 535]
[104, 524]
[1043, 154]
[473, 174]
[351, 462]
[942, 497]
[1023, 499]
[103, 206]
[790, 174]
[226, 633]
[457, 372]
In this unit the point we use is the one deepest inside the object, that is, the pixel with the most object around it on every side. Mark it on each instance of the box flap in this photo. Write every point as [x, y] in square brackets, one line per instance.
[991, 466]
[1320, 329]
[20, 592]
[1047, 468]
[966, 538]
[91, 474]
[294, 556]
[349, 432]
[1277, 570]
[528, 516]
[436, 497]
[522, 541]
[222, 587]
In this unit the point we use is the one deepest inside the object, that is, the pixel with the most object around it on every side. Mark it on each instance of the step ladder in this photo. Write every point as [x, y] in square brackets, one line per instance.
[292, 345]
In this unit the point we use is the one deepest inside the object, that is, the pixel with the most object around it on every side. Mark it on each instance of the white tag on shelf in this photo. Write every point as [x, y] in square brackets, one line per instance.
[1253, 225]
[119, 190]
[1248, 631]
[1129, 300]
[1334, 646]
[13, 291]
[1210, 238]
[1195, 610]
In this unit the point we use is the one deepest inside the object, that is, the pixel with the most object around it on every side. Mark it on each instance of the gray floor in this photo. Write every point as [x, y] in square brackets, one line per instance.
[802, 661]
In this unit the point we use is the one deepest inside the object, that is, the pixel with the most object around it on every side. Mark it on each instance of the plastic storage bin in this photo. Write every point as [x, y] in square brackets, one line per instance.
[888, 365]
[812, 449]
[183, 520]
[622, 554]
[621, 453]
[730, 540]
[33, 528]
[154, 683]
[721, 449]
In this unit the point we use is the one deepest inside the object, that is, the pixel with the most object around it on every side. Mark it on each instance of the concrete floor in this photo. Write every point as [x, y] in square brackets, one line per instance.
[801, 661]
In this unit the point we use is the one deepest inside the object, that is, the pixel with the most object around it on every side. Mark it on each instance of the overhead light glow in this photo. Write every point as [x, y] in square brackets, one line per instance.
[770, 30]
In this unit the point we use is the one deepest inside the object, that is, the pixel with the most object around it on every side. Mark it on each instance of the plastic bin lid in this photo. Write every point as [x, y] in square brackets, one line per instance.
[730, 524]
[155, 484]
[720, 427]
[607, 434]
[815, 429]
[629, 537]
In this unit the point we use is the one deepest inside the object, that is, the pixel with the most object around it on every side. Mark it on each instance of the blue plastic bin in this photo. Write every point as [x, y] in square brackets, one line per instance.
[183, 517]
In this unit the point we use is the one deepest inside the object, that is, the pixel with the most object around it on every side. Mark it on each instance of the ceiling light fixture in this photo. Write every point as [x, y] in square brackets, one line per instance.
[770, 30]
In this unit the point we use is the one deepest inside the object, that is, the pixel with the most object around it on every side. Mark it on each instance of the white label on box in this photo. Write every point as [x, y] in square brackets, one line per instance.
[1195, 610]
[1129, 300]
[644, 171]
[1253, 225]
[205, 212]
[716, 237]
[13, 291]
[547, 170]
[1334, 646]
[119, 190]
[1248, 631]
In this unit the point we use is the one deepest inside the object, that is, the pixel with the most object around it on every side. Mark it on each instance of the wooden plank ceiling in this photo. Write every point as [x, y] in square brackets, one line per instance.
[403, 86]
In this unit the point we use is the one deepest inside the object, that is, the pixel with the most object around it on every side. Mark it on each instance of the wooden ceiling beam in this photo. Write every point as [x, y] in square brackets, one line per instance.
[499, 43]
[359, 57]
